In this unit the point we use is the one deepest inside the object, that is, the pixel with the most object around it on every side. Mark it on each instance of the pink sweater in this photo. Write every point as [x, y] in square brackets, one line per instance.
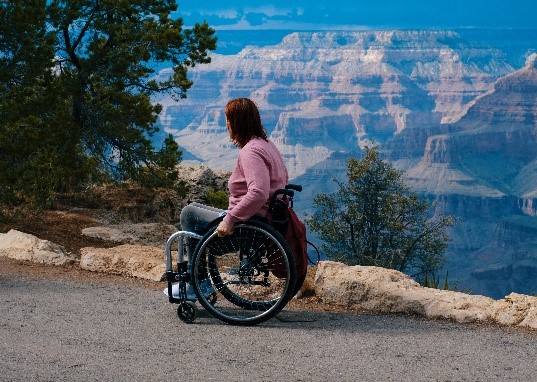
[258, 173]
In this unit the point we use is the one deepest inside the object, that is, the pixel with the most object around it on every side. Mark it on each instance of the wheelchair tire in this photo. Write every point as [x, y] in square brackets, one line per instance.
[238, 269]
[187, 311]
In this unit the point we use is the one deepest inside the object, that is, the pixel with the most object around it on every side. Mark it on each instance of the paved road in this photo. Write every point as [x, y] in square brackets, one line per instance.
[60, 330]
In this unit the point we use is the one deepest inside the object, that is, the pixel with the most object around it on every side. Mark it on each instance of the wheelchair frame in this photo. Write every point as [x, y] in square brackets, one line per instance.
[252, 273]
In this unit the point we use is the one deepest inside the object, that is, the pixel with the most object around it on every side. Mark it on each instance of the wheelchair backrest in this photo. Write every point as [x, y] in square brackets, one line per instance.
[279, 203]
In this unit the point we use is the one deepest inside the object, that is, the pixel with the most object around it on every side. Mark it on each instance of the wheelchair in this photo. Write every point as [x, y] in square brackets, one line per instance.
[242, 279]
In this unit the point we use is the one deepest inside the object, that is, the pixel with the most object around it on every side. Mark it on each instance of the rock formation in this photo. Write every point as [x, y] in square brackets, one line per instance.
[482, 169]
[357, 288]
[492, 143]
[334, 90]
[126, 260]
[22, 246]
[388, 291]
[201, 179]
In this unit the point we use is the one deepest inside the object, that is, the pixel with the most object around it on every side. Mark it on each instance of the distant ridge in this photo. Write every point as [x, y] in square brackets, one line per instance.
[491, 148]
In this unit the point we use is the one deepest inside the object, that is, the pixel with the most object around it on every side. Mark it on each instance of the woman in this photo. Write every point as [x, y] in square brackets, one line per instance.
[258, 173]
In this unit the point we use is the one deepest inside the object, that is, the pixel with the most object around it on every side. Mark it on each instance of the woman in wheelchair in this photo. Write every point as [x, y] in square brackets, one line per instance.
[259, 172]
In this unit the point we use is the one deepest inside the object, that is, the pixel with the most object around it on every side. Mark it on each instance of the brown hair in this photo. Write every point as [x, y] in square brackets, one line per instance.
[244, 121]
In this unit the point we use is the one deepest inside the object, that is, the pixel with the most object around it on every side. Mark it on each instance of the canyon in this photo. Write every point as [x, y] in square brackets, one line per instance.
[454, 113]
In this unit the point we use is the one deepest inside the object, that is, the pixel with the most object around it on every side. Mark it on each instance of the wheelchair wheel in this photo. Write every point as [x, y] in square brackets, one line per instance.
[245, 278]
[187, 311]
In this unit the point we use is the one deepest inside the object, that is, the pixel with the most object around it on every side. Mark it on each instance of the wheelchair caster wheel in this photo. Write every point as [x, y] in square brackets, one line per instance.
[187, 311]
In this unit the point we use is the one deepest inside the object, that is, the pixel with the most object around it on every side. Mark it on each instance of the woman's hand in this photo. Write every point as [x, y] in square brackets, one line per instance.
[223, 229]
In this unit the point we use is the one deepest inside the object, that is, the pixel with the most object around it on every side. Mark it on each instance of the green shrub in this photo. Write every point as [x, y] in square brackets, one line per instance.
[217, 199]
[374, 219]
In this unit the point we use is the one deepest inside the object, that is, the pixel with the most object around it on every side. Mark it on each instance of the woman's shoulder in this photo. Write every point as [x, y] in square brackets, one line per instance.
[257, 141]
[257, 144]
[258, 147]
[262, 146]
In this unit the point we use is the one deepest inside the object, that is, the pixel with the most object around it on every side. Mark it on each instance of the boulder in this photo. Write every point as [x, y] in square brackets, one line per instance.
[127, 260]
[22, 246]
[388, 291]
[201, 179]
[516, 309]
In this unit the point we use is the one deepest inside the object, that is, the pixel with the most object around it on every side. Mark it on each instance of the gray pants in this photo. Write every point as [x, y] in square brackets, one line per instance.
[194, 218]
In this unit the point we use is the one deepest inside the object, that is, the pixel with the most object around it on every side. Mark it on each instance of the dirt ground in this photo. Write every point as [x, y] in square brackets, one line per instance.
[64, 227]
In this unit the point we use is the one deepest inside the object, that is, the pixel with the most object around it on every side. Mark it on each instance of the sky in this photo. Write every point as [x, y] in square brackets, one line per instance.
[360, 14]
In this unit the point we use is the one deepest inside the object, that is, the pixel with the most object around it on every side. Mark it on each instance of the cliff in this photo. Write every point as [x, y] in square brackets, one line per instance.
[481, 168]
[332, 91]
[490, 150]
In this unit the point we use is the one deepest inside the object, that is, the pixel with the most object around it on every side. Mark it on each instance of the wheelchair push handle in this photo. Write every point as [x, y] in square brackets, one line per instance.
[289, 191]
[296, 187]
[282, 191]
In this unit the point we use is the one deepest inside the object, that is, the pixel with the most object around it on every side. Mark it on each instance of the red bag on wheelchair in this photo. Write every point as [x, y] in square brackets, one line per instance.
[284, 219]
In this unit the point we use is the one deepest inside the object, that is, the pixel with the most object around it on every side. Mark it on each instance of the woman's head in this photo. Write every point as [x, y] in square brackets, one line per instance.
[243, 121]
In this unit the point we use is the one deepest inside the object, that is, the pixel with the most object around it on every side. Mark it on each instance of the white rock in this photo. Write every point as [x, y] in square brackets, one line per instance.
[517, 309]
[22, 246]
[388, 291]
[128, 260]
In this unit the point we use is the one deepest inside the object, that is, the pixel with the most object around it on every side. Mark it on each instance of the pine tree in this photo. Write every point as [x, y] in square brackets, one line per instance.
[106, 55]
[37, 150]
[374, 219]
[76, 81]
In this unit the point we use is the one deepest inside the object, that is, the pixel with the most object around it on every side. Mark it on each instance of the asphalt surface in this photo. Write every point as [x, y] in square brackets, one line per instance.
[62, 330]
